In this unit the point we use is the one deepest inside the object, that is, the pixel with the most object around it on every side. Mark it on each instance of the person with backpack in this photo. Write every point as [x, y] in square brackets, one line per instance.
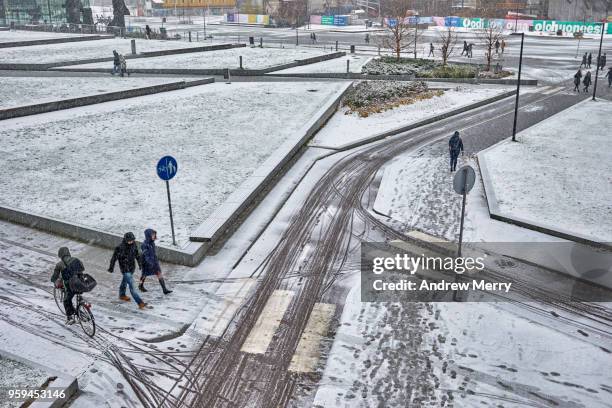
[587, 81]
[64, 270]
[150, 263]
[455, 146]
[127, 255]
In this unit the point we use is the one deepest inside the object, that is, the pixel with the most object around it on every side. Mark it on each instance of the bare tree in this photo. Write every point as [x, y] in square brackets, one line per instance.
[488, 36]
[447, 39]
[399, 34]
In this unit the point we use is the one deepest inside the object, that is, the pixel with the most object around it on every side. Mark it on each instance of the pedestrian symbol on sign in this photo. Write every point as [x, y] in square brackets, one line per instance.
[167, 168]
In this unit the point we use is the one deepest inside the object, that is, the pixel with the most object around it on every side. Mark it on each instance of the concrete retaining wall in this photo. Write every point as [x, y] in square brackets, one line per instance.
[214, 71]
[42, 67]
[99, 98]
[351, 75]
[45, 41]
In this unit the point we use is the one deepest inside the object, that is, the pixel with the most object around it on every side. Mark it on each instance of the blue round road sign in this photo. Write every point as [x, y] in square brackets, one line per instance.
[167, 168]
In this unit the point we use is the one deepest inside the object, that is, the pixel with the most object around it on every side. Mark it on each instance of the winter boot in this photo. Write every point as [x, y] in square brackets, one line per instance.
[141, 287]
[162, 282]
[125, 298]
[142, 305]
[70, 320]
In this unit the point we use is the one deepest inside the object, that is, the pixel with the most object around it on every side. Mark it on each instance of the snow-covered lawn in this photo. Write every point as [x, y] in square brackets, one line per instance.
[252, 58]
[559, 174]
[95, 165]
[22, 35]
[336, 65]
[18, 91]
[342, 128]
[81, 50]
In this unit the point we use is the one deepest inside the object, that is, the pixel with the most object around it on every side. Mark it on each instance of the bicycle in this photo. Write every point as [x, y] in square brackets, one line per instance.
[83, 309]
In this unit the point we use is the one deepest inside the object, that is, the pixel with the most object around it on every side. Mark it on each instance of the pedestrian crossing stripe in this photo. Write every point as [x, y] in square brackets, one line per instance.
[308, 351]
[268, 322]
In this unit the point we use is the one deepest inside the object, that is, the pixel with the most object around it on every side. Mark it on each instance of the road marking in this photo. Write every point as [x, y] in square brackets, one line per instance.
[261, 335]
[217, 314]
[552, 90]
[308, 350]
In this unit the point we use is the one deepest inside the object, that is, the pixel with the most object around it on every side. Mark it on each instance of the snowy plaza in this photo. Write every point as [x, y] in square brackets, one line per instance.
[199, 223]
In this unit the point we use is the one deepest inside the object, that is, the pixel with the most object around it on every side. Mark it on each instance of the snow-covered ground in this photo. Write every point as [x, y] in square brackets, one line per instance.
[15, 375]
[42, 54]
[336, 65]
[558, 175]
[19, 91]
[22, 35]
[252, 58]
[95, 165]
[344, 128]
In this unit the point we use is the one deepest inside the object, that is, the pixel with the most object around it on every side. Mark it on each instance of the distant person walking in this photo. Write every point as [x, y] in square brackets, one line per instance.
[150, 263]
[609, 76]
[465, 48]
[497, 45]
[116, 63]
[431, 50]
[577, 79]
[148, 32]
[127, 255]
[455, 146]
[470, 48]
[587, 81]
[123, 65]
[584, 61]
[503, 45]
[367, 38]
[589, 60]
[603, 61]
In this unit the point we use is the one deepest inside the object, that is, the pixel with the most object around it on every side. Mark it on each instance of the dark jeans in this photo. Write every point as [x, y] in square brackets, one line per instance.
[128, 281]
[453, 160]
[68, 296]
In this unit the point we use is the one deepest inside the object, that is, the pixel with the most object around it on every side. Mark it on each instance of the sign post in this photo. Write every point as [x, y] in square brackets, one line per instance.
[167, 168]
[462, 184]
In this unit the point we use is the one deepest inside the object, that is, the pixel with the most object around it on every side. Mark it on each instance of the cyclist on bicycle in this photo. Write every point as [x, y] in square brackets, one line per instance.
[60, 277]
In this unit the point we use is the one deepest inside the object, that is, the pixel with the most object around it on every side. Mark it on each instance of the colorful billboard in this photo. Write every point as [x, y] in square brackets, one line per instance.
[552, 26]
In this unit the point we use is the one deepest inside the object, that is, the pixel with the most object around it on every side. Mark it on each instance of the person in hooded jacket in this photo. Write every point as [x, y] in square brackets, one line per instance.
[127, 256]
[60, 277]
[150, 263]
[609, 76]
[577, 78]
[589, 60]
[455, 146]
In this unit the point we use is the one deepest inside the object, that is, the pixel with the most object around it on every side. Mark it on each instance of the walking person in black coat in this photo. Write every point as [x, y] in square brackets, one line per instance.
[577, 78]
[455, 146]
[150, 263]
[587, 81]
[589, 60]
[127, 255]
[584, 61]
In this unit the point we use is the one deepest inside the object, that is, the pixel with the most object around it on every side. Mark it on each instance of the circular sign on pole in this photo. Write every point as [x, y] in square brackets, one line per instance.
[464, 180]
[167, 168]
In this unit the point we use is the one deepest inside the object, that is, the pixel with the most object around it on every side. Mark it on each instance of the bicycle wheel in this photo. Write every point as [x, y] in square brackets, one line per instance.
[58, 294]
[86, 320]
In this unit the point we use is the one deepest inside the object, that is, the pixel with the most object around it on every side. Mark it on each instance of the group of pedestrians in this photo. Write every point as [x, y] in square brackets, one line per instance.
[128, 257]
[586, 79]
[467, 49]
[587, 59]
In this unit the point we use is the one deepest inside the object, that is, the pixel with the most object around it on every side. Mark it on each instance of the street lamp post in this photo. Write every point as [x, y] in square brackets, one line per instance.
[603, 27]
[518, 88]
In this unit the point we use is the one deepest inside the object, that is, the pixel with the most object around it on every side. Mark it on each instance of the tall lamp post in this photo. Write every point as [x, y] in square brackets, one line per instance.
[603, 27]
[518, 88]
